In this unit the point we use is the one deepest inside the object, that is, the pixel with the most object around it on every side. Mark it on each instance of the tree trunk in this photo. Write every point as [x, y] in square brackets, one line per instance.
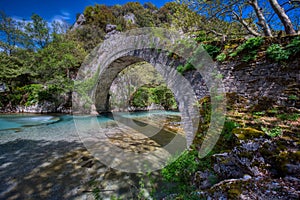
[285, 20]
[261, 18]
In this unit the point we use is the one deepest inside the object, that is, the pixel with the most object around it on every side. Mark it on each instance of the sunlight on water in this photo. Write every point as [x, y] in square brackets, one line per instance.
[24, 120]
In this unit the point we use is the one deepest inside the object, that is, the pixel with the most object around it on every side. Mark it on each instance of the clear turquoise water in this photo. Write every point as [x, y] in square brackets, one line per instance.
[22, 121]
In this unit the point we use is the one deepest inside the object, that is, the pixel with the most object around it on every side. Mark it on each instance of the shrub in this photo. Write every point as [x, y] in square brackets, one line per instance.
[273, 132]
[33, 91]
[253, 43]
[277, 53]
[250, 56]
[212, 50]
[251, 46]
[294, 47]
[187, 67]
[293, 97]
[180, 69]
[221, 57]
[292, 117]
[181, 168]
[202, 36]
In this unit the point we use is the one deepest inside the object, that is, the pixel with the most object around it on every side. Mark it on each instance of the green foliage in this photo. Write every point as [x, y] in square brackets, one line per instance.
[277, 53]
[38, 31]
[202, 36]
[221, 57]
[273, 132]
[293, 97]
[250, 56]
[252, 43]
[260, 113]
[141, 97]
[160, 95]
[294, 46]
[249, 47]
[181, 168]
[50, 60]
[99, 15]
[227, 129]
[291, 117]
[212, 50]
[183, 68]
[89, 36]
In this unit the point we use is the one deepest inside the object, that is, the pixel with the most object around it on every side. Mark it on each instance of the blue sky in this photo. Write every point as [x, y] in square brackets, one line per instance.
[57, 9]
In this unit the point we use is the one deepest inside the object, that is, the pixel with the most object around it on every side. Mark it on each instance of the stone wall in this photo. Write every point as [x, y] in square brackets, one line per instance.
[259, 83]
[264, 81]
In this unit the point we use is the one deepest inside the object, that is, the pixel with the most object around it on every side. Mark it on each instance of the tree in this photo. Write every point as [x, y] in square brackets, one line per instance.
[253, 15]
[59, 61]
[99, 15]
[38, 31]
[285, 20]
[11, 34]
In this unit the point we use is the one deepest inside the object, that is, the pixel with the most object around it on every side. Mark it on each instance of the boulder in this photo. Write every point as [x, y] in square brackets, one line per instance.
[130, 18]
[80, 20]
[110, 28]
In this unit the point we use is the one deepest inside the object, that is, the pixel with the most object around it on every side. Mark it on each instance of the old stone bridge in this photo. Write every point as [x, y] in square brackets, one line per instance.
[161, 49]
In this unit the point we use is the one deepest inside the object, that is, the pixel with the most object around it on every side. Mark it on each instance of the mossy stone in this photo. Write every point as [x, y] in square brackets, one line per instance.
[247, 133]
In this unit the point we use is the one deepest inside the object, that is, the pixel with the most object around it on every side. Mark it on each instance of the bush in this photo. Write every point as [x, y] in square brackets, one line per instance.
[277, 53]
[221, 57]
[251, 46]
[273, 132]
[187, 67]
[141, 97]
[181, 168]
[294, 47]
[253, 43]
[292, 117]
[213, 51]
[33, 91]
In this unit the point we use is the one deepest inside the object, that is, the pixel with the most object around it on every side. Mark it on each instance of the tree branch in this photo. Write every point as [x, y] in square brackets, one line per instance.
[246, 25]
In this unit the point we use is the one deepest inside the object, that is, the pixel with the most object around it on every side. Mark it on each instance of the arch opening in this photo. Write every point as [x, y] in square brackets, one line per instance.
[140, 87]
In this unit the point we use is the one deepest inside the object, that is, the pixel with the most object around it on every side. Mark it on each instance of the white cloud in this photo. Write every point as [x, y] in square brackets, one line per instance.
[65, 14]
[62, 17]
[19, 19]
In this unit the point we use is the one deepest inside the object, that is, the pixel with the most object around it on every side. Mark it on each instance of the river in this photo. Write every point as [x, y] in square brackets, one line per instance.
[46, 156]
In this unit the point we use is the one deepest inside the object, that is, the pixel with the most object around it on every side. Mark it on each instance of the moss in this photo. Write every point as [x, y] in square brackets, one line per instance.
[247, 133]
[234, 193]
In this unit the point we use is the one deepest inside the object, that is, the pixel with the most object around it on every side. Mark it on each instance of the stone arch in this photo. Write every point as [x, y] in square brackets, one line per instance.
[180, 86]
[154, 47]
